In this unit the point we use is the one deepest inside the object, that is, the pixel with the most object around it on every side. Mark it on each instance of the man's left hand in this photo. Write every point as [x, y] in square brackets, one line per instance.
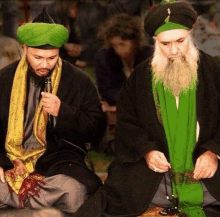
[206, 165]
[51, 103]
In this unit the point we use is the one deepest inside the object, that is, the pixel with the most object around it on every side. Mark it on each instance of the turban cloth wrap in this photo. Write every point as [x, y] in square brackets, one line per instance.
[38, 34]
[182, 15]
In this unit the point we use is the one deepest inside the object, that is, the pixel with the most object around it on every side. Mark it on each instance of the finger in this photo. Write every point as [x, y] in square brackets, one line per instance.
[46, 105]
[201, 170]
[212, 174]
[164, 159]
[161, 164]
[197, 169]
[2, 179]
[158, 170]
[46, 95]
[209, 175]
[205, 173]
[2, 176]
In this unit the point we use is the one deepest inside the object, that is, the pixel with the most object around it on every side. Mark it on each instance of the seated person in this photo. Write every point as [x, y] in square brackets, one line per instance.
[43, 133]
[168, 127]
[82, 19]
[124, 48]
[10, 51]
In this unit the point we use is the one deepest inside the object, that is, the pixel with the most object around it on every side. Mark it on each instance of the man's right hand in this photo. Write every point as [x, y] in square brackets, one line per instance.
[157, 161]
[2, 175]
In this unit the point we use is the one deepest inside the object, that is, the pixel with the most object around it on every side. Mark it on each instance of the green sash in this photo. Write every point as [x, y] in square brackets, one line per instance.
[180, 129]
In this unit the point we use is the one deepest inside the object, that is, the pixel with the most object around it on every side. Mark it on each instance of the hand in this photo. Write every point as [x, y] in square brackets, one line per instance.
[80, 63]
[74, 50]
[20, 168]
[2, 175]
[51, 103]
[157, 161]
[108, 108]
[110, 111]
[206, 165]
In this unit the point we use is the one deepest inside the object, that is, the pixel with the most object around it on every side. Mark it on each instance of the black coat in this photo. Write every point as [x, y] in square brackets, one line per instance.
[109, 71]
[80, 120]
[131, 185]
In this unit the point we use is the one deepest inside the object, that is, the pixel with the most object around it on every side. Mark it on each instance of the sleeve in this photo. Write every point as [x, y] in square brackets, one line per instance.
[5, 162]
[84, 121]
[213, 65]
[213, 144]
[132, 139]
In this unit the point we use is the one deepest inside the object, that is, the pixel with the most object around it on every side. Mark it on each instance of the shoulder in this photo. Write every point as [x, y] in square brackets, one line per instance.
[141, 74]
[143, 68]
[209, 65]
[73, 75]
[148, 51]
[9, 70]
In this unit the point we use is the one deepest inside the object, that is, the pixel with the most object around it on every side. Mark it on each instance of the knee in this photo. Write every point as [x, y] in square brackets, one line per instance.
[74, 196]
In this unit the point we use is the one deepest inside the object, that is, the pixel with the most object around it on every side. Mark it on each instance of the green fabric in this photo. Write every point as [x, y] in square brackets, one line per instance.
[167, 1]
[38, 34]
[169, 26]
[180, 129]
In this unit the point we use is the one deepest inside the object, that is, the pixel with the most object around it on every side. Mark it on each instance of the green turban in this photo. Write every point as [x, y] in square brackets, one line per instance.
[43, 31]
[38, 34]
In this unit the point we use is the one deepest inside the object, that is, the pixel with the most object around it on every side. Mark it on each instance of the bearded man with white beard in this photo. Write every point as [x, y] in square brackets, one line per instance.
[168, 125]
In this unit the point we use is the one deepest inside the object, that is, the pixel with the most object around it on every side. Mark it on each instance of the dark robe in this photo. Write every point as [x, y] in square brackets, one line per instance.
[131, 185]
[80, 121]
[109, 71]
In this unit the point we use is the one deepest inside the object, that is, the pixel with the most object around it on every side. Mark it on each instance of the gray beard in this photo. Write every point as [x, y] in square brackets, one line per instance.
[177, 75]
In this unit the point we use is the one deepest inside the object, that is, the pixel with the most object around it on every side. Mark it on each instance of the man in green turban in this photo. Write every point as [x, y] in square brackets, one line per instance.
[49, 111]
[168, 126]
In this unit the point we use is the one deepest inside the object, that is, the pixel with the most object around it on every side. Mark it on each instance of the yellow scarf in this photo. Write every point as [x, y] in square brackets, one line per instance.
[15, 130]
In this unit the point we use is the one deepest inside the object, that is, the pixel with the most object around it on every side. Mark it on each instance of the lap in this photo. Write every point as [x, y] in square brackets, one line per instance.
[60, 191]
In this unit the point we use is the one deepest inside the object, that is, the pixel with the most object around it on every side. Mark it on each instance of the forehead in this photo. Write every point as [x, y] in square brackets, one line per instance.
[172, 35]
[42, 52]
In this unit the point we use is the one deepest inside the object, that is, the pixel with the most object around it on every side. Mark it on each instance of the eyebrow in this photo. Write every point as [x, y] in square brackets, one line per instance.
[179, 39]
[43, 57]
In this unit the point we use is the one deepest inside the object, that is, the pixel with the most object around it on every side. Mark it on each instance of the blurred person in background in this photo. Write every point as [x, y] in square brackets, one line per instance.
[206, 32]
[124, 48]
[82, 19]
[10, 51]
[10, 15]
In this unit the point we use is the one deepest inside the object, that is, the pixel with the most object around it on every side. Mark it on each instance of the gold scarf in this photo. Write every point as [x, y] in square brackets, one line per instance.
[15, 130]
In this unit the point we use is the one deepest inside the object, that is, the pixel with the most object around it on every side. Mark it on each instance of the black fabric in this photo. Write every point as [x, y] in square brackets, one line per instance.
[109, 71]
[80, 120]
[181, 13]
[43, 17]
[131, 185]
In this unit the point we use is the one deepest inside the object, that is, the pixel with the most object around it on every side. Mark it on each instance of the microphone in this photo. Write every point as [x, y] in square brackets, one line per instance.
[48, 89]
[48, 85]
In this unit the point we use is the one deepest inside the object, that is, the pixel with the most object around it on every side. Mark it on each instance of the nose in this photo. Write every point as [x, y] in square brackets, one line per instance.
[44, 63]
[174, 49]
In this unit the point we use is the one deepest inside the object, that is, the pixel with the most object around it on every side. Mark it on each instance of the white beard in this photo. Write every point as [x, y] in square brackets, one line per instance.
[176, 75]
